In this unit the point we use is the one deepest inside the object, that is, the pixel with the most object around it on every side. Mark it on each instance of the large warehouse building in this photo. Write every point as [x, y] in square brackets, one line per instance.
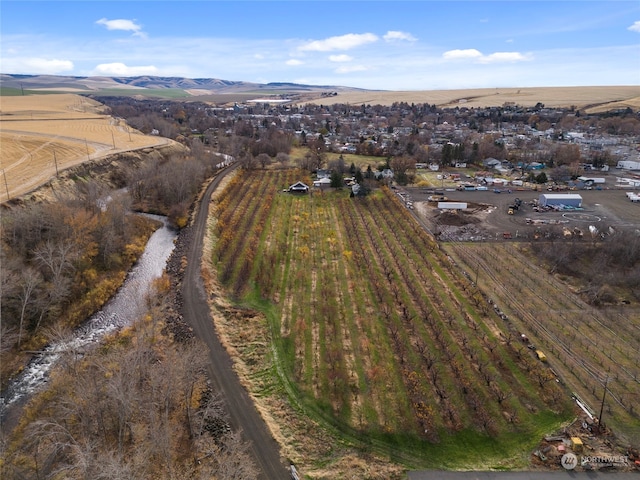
[556, 199]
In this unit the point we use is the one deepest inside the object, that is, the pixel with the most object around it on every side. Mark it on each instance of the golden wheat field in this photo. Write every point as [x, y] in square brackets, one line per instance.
[42, 133]
[592, 99]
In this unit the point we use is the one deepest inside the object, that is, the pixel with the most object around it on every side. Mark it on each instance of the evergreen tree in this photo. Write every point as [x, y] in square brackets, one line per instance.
[336, 179]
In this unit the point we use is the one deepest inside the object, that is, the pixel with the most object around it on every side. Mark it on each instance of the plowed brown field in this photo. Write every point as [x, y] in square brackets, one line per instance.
[40, 134]
[593, 99]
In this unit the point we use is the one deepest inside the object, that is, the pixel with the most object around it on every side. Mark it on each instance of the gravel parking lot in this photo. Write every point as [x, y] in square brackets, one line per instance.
[486, 217]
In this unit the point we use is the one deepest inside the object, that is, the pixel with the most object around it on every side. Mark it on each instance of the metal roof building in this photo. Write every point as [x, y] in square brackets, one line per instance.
[568, 199]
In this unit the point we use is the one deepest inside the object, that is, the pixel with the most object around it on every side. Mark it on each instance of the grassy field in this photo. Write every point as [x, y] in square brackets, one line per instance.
[595, 98]
[42, 133]
[378, 337]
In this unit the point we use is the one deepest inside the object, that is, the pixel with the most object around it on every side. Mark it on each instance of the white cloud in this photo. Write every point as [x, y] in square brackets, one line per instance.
[122, 24]
[500, 57]
[343, 42]
[478, 57]
[635, 27]
[34, 65]
[121, 70]
[393, 35]
[457, 54]
[294, 62]
[340, 58]
[351, 68]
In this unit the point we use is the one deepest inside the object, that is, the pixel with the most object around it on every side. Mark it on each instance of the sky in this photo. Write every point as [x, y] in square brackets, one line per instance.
[380, 45]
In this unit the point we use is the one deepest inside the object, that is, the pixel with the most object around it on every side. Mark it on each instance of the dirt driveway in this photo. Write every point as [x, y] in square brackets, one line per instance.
[242, 411]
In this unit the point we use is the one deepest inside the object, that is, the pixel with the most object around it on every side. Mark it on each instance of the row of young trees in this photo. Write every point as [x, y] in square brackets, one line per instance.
[374, 326]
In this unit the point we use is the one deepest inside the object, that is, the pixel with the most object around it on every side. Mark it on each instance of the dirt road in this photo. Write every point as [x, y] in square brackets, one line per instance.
[242, 411]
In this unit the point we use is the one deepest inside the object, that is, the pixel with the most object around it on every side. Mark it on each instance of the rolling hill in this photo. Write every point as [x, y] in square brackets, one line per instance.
[591, 98]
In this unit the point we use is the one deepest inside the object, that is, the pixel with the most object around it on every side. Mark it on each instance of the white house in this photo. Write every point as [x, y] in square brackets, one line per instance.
[322, 183]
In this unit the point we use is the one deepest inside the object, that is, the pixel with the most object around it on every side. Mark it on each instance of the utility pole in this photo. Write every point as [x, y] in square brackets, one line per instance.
[604, 394]
[6, 185]
[113, 140]
[55, 160]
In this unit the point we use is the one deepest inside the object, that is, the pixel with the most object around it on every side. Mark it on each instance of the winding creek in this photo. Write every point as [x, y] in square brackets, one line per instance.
[121, 310]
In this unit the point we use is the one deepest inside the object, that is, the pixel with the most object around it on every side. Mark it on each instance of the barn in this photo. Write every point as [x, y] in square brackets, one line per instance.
[556, 199]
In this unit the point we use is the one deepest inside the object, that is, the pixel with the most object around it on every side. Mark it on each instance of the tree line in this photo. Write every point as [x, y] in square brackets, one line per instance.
[605, 268]
[138, 407]
[63, 259]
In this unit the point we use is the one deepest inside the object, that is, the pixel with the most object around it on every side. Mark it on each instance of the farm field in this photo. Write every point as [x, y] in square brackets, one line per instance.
[593, 99]
[377, 334]
[586, 347]
[42, 133]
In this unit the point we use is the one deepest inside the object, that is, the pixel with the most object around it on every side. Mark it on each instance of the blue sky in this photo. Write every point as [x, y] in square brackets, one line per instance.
[387, 45]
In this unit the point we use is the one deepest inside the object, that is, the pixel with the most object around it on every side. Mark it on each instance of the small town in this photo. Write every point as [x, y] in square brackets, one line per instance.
[366, 240]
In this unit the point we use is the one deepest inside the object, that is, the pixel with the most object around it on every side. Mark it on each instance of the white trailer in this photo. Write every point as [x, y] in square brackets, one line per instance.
[634, 197]
[628, 182]
[452, 205]
[592, 180]
[628, 165]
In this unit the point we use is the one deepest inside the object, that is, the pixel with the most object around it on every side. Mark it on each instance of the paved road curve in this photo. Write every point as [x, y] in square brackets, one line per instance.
[242, 412]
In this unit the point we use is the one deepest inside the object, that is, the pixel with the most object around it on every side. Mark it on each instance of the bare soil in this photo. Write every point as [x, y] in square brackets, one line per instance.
[487, 215]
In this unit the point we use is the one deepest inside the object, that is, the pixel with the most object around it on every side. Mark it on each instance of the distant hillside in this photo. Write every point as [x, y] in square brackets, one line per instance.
[591, 99]
[191, 86]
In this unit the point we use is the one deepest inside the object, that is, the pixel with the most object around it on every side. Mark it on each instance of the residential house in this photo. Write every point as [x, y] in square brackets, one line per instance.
[299, 187]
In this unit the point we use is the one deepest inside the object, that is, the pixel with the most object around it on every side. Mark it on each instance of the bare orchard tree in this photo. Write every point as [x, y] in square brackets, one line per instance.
[263, 159]
[247, 160]
[282, 158]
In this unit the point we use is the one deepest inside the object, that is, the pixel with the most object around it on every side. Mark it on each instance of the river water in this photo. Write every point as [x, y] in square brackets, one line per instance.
[127, 305]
